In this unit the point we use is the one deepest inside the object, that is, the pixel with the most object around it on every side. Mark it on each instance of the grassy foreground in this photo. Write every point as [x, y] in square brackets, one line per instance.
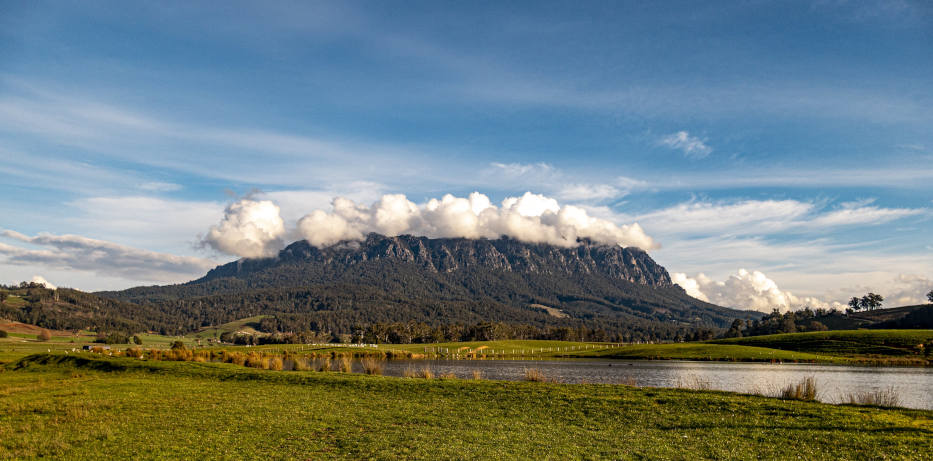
[81, 406]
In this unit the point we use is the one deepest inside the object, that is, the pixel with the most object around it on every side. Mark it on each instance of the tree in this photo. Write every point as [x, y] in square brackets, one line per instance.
[871, 301]
[137, 340]
[930, 296]
[855, 303]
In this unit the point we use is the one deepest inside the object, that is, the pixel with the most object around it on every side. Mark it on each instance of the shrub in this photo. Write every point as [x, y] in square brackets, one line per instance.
[879, 398]
[804, 390]
[44, 335]
[178, 345]
[137, 340]
[535, 375]
[3, 334]
[371, 366]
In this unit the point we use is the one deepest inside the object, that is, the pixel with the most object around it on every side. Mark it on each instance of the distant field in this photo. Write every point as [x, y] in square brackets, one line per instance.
[19, 345]
[70, 408]
[245, 325]
[843, 343]
[701, 351]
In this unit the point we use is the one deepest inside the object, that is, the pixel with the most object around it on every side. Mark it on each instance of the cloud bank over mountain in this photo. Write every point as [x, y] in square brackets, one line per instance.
[252, 228]
[746, 290]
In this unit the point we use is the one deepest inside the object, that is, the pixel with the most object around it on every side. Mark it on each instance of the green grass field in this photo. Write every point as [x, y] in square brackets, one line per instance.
[842, 343]
[84, 406]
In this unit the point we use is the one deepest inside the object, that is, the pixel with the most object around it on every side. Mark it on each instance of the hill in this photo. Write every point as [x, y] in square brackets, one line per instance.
[620, 292]
[68, 309]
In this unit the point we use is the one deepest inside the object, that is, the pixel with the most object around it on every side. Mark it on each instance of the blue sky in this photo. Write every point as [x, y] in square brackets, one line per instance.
[789, 138]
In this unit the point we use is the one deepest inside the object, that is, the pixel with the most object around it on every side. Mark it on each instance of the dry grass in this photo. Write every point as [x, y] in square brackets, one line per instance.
[628, 381]
[804, 390]
[879, 398]
[447, 376]
[535, 375]
[300, 364]
[408, 372]
[324, 364]
[693, 382]
[345, 364]
[425, 373]
[371, 366]
[476, 374]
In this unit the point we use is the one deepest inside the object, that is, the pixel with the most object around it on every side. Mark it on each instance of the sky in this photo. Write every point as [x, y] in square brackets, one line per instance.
[768, 154]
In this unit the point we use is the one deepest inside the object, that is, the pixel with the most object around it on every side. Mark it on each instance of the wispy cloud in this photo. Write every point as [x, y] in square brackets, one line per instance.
[108, 258]
[691, 146]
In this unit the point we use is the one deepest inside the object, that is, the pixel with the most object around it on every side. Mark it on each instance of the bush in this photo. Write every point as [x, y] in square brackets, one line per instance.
[137, 340]
[178, 345]
[3, 334]
[44, 335]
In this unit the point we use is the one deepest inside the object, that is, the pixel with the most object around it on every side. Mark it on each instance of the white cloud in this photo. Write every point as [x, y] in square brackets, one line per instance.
[42, 281]
[692, 146]
[530, 218]
[862, 213]
[746, 290]
[588, 192]
[159, 186]
[249, 228]
[99, 256]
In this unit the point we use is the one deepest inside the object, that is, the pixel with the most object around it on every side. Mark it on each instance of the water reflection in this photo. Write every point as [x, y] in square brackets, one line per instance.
[914, 386]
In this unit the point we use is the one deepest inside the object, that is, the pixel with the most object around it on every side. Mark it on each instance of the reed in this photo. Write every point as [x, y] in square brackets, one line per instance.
[804, 390]
[345, 364]
[693, 382]
[535, 375]
[476, 374]
[371, 366]
[324, 364]
[425, 373]
[879, 398]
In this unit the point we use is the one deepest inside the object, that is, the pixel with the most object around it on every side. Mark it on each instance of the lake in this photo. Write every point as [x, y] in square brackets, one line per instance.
[914, 386]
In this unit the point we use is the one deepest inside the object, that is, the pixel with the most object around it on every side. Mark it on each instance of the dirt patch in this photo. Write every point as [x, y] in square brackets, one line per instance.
[552, 311]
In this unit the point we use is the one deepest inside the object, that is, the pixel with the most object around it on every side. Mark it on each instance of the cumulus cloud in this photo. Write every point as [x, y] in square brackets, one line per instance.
[42, 281]
[99, 256]
[746, 290]
[249, 228]
[530, 218]
[692, 146]
[900, 290]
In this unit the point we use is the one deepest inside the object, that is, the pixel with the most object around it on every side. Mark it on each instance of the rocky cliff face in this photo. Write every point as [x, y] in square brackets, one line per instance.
[453, 255]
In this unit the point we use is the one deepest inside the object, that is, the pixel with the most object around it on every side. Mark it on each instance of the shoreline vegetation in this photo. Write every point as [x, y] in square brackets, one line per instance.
[855, 347]
[77, 405]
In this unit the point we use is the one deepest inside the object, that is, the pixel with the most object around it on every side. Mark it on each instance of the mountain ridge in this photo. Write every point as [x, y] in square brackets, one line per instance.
[441, 282]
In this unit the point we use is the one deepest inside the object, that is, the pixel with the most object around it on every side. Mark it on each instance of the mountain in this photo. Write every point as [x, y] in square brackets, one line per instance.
[438, 282]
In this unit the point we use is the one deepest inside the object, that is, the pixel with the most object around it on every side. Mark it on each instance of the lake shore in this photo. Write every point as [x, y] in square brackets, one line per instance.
[75, 407]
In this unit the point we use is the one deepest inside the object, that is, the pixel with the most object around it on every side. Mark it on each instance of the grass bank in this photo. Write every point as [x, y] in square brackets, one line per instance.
[851, 343]
[84, 406]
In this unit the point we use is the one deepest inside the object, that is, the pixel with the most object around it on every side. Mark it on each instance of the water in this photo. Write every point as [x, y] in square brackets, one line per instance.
[913, 386]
